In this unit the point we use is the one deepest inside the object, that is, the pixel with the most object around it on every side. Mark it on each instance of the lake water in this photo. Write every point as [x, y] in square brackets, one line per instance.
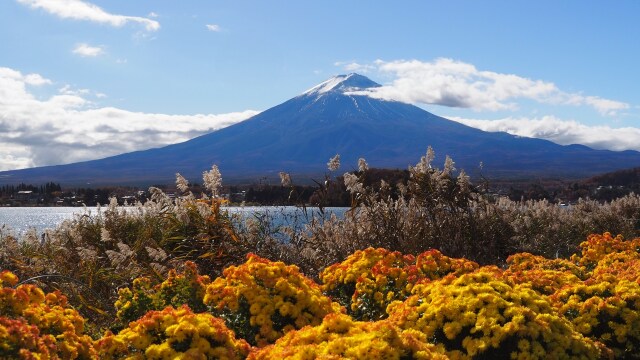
[21, 219]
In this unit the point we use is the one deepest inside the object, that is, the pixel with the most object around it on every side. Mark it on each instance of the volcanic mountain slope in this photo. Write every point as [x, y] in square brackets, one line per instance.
[301, 134]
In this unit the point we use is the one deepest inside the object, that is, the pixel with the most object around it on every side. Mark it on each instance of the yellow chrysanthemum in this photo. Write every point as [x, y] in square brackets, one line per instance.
[173, 334]
[340, 337]
[543, 275]
[187, 287]
[35, 325]
[369, 280]
[261, 300]
[597, 246]
[605, 311]
[484, 313]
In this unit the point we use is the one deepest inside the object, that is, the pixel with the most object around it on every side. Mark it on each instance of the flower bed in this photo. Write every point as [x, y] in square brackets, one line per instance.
[399, 306]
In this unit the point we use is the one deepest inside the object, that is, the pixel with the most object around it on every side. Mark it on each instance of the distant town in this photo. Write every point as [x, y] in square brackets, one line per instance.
[53, 194]
[604, 187]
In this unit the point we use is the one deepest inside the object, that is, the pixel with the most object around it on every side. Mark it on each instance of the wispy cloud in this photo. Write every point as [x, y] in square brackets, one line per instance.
[69, 90]
[453, 83]
[82, 10]
[564, 132]
[213, 27]
[69, 127]
[355, 67]
[34, 79]
[87, 50]
[603, 106]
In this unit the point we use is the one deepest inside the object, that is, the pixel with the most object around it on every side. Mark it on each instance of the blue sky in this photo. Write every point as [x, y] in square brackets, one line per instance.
[85, 79]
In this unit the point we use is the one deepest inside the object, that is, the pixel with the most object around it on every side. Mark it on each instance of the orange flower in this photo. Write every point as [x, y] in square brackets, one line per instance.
[34, 325]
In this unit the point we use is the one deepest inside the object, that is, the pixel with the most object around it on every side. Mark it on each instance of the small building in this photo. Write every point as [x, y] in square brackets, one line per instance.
[27, 196]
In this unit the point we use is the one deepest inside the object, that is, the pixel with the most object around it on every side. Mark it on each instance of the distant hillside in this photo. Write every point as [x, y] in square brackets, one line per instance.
[301, 134]
[628, 178]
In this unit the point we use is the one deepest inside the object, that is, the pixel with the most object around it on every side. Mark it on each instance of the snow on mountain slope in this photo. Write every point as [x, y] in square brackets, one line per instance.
[342, 84]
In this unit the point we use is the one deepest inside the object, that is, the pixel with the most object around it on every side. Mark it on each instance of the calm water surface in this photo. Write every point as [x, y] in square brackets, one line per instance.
[21, 219]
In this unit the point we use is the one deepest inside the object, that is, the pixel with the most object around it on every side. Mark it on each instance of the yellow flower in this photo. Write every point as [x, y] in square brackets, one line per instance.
[261, 300]
[608, 312]
[478, 313]
[340, 337]
[174, 334]
[369, 280]
[8, 279]
[38, 326]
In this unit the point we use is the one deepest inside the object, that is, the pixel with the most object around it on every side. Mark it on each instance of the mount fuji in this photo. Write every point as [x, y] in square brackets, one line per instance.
[335, 117]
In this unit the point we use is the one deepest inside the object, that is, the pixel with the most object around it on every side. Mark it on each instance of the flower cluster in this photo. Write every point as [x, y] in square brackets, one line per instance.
[598, 246]
[173, 334]
[433, 265]
[608, 312]
[261, 300]
[340, 337]
[606, 306]
[178, 289]
[38, 326]
[543, 275]
[485, 314]
[616, 266]
[369, 280]
[527, 261]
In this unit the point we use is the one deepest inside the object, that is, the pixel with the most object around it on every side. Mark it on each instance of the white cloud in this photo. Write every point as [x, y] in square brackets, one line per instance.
[81, 10]
[36, 80]
[86, 50]
[81, 93]
[213, 27]
[67, 127]
[29, 79]
[605, 106]
[457, 84]
[564, 132]
[355, 67]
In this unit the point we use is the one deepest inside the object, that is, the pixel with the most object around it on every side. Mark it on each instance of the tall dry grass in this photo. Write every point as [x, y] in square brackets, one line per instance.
[97, 253]
[441, 209]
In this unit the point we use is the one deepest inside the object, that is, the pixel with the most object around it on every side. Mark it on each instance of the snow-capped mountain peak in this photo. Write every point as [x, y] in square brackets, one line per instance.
[300, 134]
[342, 84]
